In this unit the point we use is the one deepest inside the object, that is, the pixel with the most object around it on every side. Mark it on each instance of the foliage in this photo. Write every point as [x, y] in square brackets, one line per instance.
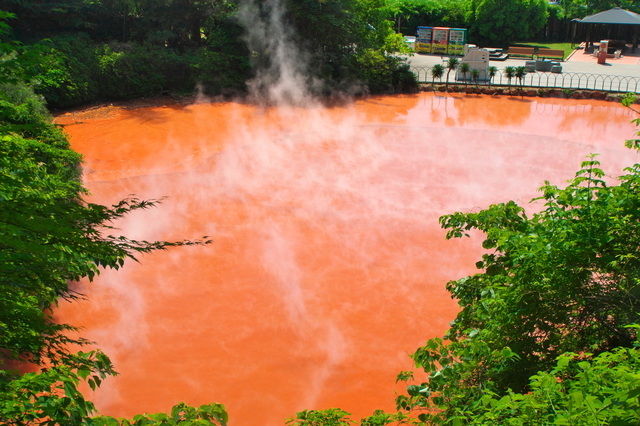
[129, 74]
[582, 8]
[452, 64]
[628, 99]
[509, 73]
[381, 418]
[222, 65]
[437, 71]
[17, 63]
[464, 69]
[24, 112]
[564, 281]
[329, 417]
[350, 40]
[475, 75]
[51, 396]
[211, 70]
[491, 72]
[410, 14]
[577, 391]
[520, 73]
[633, 143]
[181, 415]
[384, 74]
[79, 71]
[68, 74]
[500, 22]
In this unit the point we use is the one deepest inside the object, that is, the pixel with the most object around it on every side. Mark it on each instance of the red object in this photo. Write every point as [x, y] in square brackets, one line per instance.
[602, 57]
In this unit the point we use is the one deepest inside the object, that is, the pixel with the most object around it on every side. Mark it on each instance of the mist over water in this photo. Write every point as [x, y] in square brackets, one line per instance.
[328, 266]
[281, 71]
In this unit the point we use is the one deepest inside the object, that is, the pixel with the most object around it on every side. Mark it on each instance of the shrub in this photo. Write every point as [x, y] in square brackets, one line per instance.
[24, 112]
[383, 73]
[67, 71]
[127, 71]
[220, 73]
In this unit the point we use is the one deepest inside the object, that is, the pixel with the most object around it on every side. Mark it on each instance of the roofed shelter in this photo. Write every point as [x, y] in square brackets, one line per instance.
[615, 16]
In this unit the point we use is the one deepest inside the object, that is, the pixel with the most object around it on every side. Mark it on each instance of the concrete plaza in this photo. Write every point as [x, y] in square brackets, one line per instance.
[578, 61]
[579, 70]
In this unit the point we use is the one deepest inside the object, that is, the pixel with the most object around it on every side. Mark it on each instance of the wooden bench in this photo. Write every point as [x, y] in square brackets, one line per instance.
[551, 54]
[521, 51]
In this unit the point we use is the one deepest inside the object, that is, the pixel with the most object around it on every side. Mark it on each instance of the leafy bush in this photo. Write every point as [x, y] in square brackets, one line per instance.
[220, 73]
[576, 391]
[383, 74]
[24, 112]
[68, 70]
[127, 71]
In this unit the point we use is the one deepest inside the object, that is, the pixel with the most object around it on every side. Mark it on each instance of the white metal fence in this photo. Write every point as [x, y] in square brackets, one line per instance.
[564, 80]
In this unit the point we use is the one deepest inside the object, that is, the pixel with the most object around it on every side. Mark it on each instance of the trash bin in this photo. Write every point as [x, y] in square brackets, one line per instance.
[602, 57]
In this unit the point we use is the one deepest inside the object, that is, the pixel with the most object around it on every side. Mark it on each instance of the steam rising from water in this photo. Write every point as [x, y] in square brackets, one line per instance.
[280, 64]
[327, 265]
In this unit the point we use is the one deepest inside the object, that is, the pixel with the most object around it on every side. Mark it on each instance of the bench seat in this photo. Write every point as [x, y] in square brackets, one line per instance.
[551, 54]
[521, 51]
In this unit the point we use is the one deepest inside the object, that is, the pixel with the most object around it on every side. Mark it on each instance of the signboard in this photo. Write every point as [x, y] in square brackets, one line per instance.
[423, 40]
[457, 40]
[440, 40]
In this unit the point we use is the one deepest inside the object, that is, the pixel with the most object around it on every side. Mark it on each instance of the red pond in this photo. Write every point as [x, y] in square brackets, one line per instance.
[327, 266]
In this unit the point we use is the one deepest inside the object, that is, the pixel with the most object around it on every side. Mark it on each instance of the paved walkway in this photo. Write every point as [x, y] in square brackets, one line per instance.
[577, 64]
[579, 70]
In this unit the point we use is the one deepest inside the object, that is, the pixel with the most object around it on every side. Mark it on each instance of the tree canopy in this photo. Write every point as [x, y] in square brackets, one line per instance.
[501, 22]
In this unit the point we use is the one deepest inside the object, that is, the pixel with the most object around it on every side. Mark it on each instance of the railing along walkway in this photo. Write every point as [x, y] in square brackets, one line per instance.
[564, 80]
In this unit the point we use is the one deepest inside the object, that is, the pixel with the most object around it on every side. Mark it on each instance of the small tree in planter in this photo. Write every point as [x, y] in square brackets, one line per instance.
[464, 70]
[520, 72]
[475, 76]
[437, 72]
[452, 64]
[491, 72]
[509, 72]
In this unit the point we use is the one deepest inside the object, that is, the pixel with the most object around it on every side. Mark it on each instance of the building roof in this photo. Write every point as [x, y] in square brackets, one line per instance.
[613, 16]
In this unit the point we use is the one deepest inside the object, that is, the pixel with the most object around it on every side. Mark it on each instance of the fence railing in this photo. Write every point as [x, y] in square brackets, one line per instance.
[564, 80]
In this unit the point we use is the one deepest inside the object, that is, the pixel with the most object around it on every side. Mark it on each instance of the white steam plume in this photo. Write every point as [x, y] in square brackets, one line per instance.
[280, 65]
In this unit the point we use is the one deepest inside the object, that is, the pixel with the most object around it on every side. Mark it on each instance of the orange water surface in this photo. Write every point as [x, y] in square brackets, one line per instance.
[328, 266]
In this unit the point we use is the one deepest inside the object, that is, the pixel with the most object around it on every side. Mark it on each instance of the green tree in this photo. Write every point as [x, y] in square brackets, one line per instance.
[577, 391]
[501, 22]
[329, 417]
[491, 72]
[510, 73]
[452, 64]
[441, 13]
[437, 72]
[181, 415]
[464, 69]
[475, 76]
[520, 73]
[51, 396]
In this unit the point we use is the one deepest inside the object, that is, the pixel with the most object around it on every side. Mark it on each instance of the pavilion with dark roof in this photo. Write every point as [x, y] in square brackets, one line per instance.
[615, 16]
